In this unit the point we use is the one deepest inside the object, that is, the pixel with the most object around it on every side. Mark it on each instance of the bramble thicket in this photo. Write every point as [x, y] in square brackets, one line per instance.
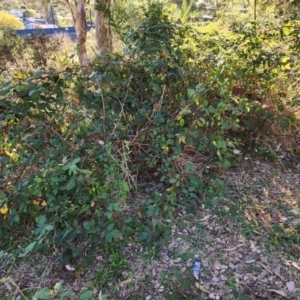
[180, 105]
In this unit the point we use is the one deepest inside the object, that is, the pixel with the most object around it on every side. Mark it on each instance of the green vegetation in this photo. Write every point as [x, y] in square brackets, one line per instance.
[9, 22]
[30, 13]
[149, 157]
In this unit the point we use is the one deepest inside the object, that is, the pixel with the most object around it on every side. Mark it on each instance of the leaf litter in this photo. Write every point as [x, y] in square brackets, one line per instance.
[247, 257]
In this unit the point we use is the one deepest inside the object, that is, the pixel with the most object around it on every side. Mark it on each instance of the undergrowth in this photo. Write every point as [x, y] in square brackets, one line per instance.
[75, 147]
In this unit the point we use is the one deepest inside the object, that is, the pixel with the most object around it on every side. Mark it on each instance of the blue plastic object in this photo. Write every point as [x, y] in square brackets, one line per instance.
[197, 266]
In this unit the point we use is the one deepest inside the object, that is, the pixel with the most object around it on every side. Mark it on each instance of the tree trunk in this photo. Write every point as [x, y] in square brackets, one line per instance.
[46, 11]
[103, 29]
[79, 20]
[81, 32]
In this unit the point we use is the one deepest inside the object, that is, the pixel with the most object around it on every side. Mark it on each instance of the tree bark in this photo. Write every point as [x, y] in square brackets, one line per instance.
[79, 20]
[81, 32]
[103, 29]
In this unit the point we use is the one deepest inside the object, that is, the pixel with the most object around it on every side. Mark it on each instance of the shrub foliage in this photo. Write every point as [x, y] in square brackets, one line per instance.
[9, 22]
[74, 147]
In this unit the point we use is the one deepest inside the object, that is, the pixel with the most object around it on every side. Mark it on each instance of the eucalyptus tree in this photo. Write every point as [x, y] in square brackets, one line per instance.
[78, 12]
[102, 26]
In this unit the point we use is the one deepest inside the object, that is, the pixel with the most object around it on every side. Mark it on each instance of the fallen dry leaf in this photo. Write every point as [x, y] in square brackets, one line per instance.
[201, 287]
[234, 248]
[177, 260]
[236, 151]
[205, 218]
[69, 268]
[250, 261]
[161, 289]
[265, 267]
[8, 285]
[252, 247]
[279, 292]
[295, 265]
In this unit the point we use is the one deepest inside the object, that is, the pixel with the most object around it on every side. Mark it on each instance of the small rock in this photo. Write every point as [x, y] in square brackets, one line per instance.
[290, 286]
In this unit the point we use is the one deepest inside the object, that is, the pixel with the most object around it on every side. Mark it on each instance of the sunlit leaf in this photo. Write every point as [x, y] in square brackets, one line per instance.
[4, 209]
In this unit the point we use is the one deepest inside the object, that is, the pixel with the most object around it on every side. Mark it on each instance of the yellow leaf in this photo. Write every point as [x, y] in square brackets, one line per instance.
[12, 155]
[182, 140]
[201, 288]
[4, 210]
[35, 202]
[43, 203]
[63, 128]
[226, 208]
[126, 281]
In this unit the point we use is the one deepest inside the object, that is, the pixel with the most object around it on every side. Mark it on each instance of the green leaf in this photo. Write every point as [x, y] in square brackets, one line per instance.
[143, 235]
[103, 297]
[43, 293]
[72, 169]
[16, 218]
[173, 180]
[110, 226]
[75, 161]
[128, 220]
[87, 295]
[9, 117]
[5, 91]
[84, 171]
[86, 225]
[41, 220]
[33, 93]
[139, 118]
[28, 249]
[235, 294]
[125, 186]
[189, 166]
[49, 227]
[278, 228]
[215, 201]
[71, 184]
[58, 288]
[115, 233]
[108, 214]
[65, 295]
